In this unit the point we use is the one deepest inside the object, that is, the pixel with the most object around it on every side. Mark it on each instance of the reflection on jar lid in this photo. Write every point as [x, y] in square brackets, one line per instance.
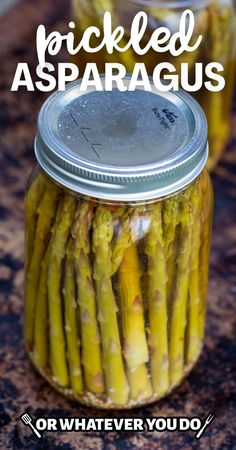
[122, 145]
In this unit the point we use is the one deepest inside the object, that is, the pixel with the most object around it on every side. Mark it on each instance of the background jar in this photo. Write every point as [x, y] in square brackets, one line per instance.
[117, 253]
[215, 20]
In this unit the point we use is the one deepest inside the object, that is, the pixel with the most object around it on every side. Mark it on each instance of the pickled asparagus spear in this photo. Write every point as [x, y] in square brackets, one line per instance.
[201, 28]
[87, 15]
[41, 332]
[194, 341]
[46, 213]
[157, 302]
[41, 316]
[214, 102]
[32, 200]
[130, 229]
[206, 222]
[218, 47]
[72, 337]
[91, 352]
[116, 382]
[218, 127]
[215, 31]
[57, 254]
[133, 328]
[171, 20]
[179, 302]
[122, 240]
[84, 13]
[170, 223]
[127, 57]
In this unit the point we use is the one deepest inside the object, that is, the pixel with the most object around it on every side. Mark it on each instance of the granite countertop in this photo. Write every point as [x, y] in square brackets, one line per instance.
[212, 384]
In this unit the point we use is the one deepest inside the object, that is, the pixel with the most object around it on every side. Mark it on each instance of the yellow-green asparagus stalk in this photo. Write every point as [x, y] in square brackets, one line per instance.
[201, 28]
[84, 13]
[122, 240]
[57, 254]
[125, 258]
[133, 327]
[123, 249]
[206, 196]
[179, 305]
[213, 105]
[41, 332]
[194, 341]
[32, 200]
[170, 223]
[90, 336]
[157, 302]
[40, 352]
[46, 213]
[218, 128]
[127, 57]
[71, 322]
[218, 38]
[171, 19]
[116, 382]
[128, 232]
[218, 46]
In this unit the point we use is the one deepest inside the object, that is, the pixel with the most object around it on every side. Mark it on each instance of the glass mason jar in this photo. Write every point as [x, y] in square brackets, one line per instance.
[118, 224]
[215, 20]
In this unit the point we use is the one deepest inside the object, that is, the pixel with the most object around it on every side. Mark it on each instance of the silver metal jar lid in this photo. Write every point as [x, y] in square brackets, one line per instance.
[126, 146]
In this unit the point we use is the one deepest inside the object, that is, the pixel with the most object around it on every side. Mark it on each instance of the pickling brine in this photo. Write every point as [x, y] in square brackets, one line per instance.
[115, 294]
[117, 251]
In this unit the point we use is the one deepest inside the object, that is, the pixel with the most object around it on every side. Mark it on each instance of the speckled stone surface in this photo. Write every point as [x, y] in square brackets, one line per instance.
[212, 384]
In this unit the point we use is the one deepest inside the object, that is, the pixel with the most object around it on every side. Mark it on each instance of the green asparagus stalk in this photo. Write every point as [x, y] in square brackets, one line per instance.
[46, 213]
[126, 236]
[127, 57]
[215, 32]
[91, 352]
[170, 230]
[32, 200]
[217, 46]
[40, 352]
[128, 232]
[206, 222]
[125, 258]
[201, 28]
[133, 327]
[157, 302]
[179, 305]
[194, 341]
[72, 337]
[84, 13]
[218, 127]
[171, 19]
[57, 254]
[41, 332]
[121, 241]
[116, 382]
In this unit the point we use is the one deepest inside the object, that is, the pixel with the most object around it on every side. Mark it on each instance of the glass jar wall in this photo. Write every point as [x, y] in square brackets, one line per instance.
[115, 292]
[215, 20]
